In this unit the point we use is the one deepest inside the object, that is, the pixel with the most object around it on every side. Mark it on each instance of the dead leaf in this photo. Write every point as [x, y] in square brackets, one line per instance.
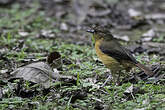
[4, 71]
[63, 26]
[96, 13]
[154, 47]
[140, 108]
[123, 38]
[42, 73]
[23, 34]
[39, 72]
[131, 91]
[54, 60]
[154, 44]
[150, 33]
[46, 34]
[134, 13]
[155, 16]
[146, 102]
[158, 76]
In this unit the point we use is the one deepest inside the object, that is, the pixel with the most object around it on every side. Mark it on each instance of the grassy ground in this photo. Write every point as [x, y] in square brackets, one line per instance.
[79, 61]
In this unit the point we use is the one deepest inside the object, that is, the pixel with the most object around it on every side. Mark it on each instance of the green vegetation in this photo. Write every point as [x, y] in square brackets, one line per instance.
[83, 65]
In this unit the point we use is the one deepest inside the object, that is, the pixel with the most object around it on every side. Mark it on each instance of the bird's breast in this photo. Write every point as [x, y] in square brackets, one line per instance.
[107, 60]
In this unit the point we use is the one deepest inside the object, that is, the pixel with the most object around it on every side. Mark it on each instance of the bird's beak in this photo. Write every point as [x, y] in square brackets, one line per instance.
[90, 31]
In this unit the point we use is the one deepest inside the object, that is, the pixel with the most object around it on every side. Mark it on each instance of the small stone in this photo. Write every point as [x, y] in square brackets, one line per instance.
[23, 34]
[133, 13]
[64, 26]
[150, 33]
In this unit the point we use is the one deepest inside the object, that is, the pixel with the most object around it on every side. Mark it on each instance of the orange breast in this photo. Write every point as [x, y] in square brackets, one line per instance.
[108, 61]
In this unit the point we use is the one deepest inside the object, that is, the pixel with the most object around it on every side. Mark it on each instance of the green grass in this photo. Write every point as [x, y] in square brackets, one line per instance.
[84, 67]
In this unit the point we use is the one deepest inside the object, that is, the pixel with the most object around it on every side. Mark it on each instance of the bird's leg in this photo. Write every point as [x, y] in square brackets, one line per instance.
[106, 81]
[118, 79]
[110, 76]
[115, 76]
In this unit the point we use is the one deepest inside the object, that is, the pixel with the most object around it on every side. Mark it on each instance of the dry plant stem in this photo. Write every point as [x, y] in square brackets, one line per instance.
[109, 77]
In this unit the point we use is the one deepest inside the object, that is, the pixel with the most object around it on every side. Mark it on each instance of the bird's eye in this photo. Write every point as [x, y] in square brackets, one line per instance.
[91, 30]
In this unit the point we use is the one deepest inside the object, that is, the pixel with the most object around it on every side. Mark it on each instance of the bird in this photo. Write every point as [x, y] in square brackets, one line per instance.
[113, 55]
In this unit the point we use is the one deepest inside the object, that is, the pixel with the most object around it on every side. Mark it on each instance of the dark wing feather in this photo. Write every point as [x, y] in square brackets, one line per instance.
[116, 51]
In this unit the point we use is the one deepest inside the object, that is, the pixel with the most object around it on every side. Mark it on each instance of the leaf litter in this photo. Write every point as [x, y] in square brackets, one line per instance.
[86, 92]
[41, 72]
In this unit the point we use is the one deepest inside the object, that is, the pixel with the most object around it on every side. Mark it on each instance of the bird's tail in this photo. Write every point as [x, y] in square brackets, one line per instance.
[145, 69]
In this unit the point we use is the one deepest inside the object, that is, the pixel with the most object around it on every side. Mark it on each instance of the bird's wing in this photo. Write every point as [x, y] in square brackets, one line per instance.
[116, 51]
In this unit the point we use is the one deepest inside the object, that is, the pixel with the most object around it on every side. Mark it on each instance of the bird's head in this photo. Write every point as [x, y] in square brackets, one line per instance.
[100, 32]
